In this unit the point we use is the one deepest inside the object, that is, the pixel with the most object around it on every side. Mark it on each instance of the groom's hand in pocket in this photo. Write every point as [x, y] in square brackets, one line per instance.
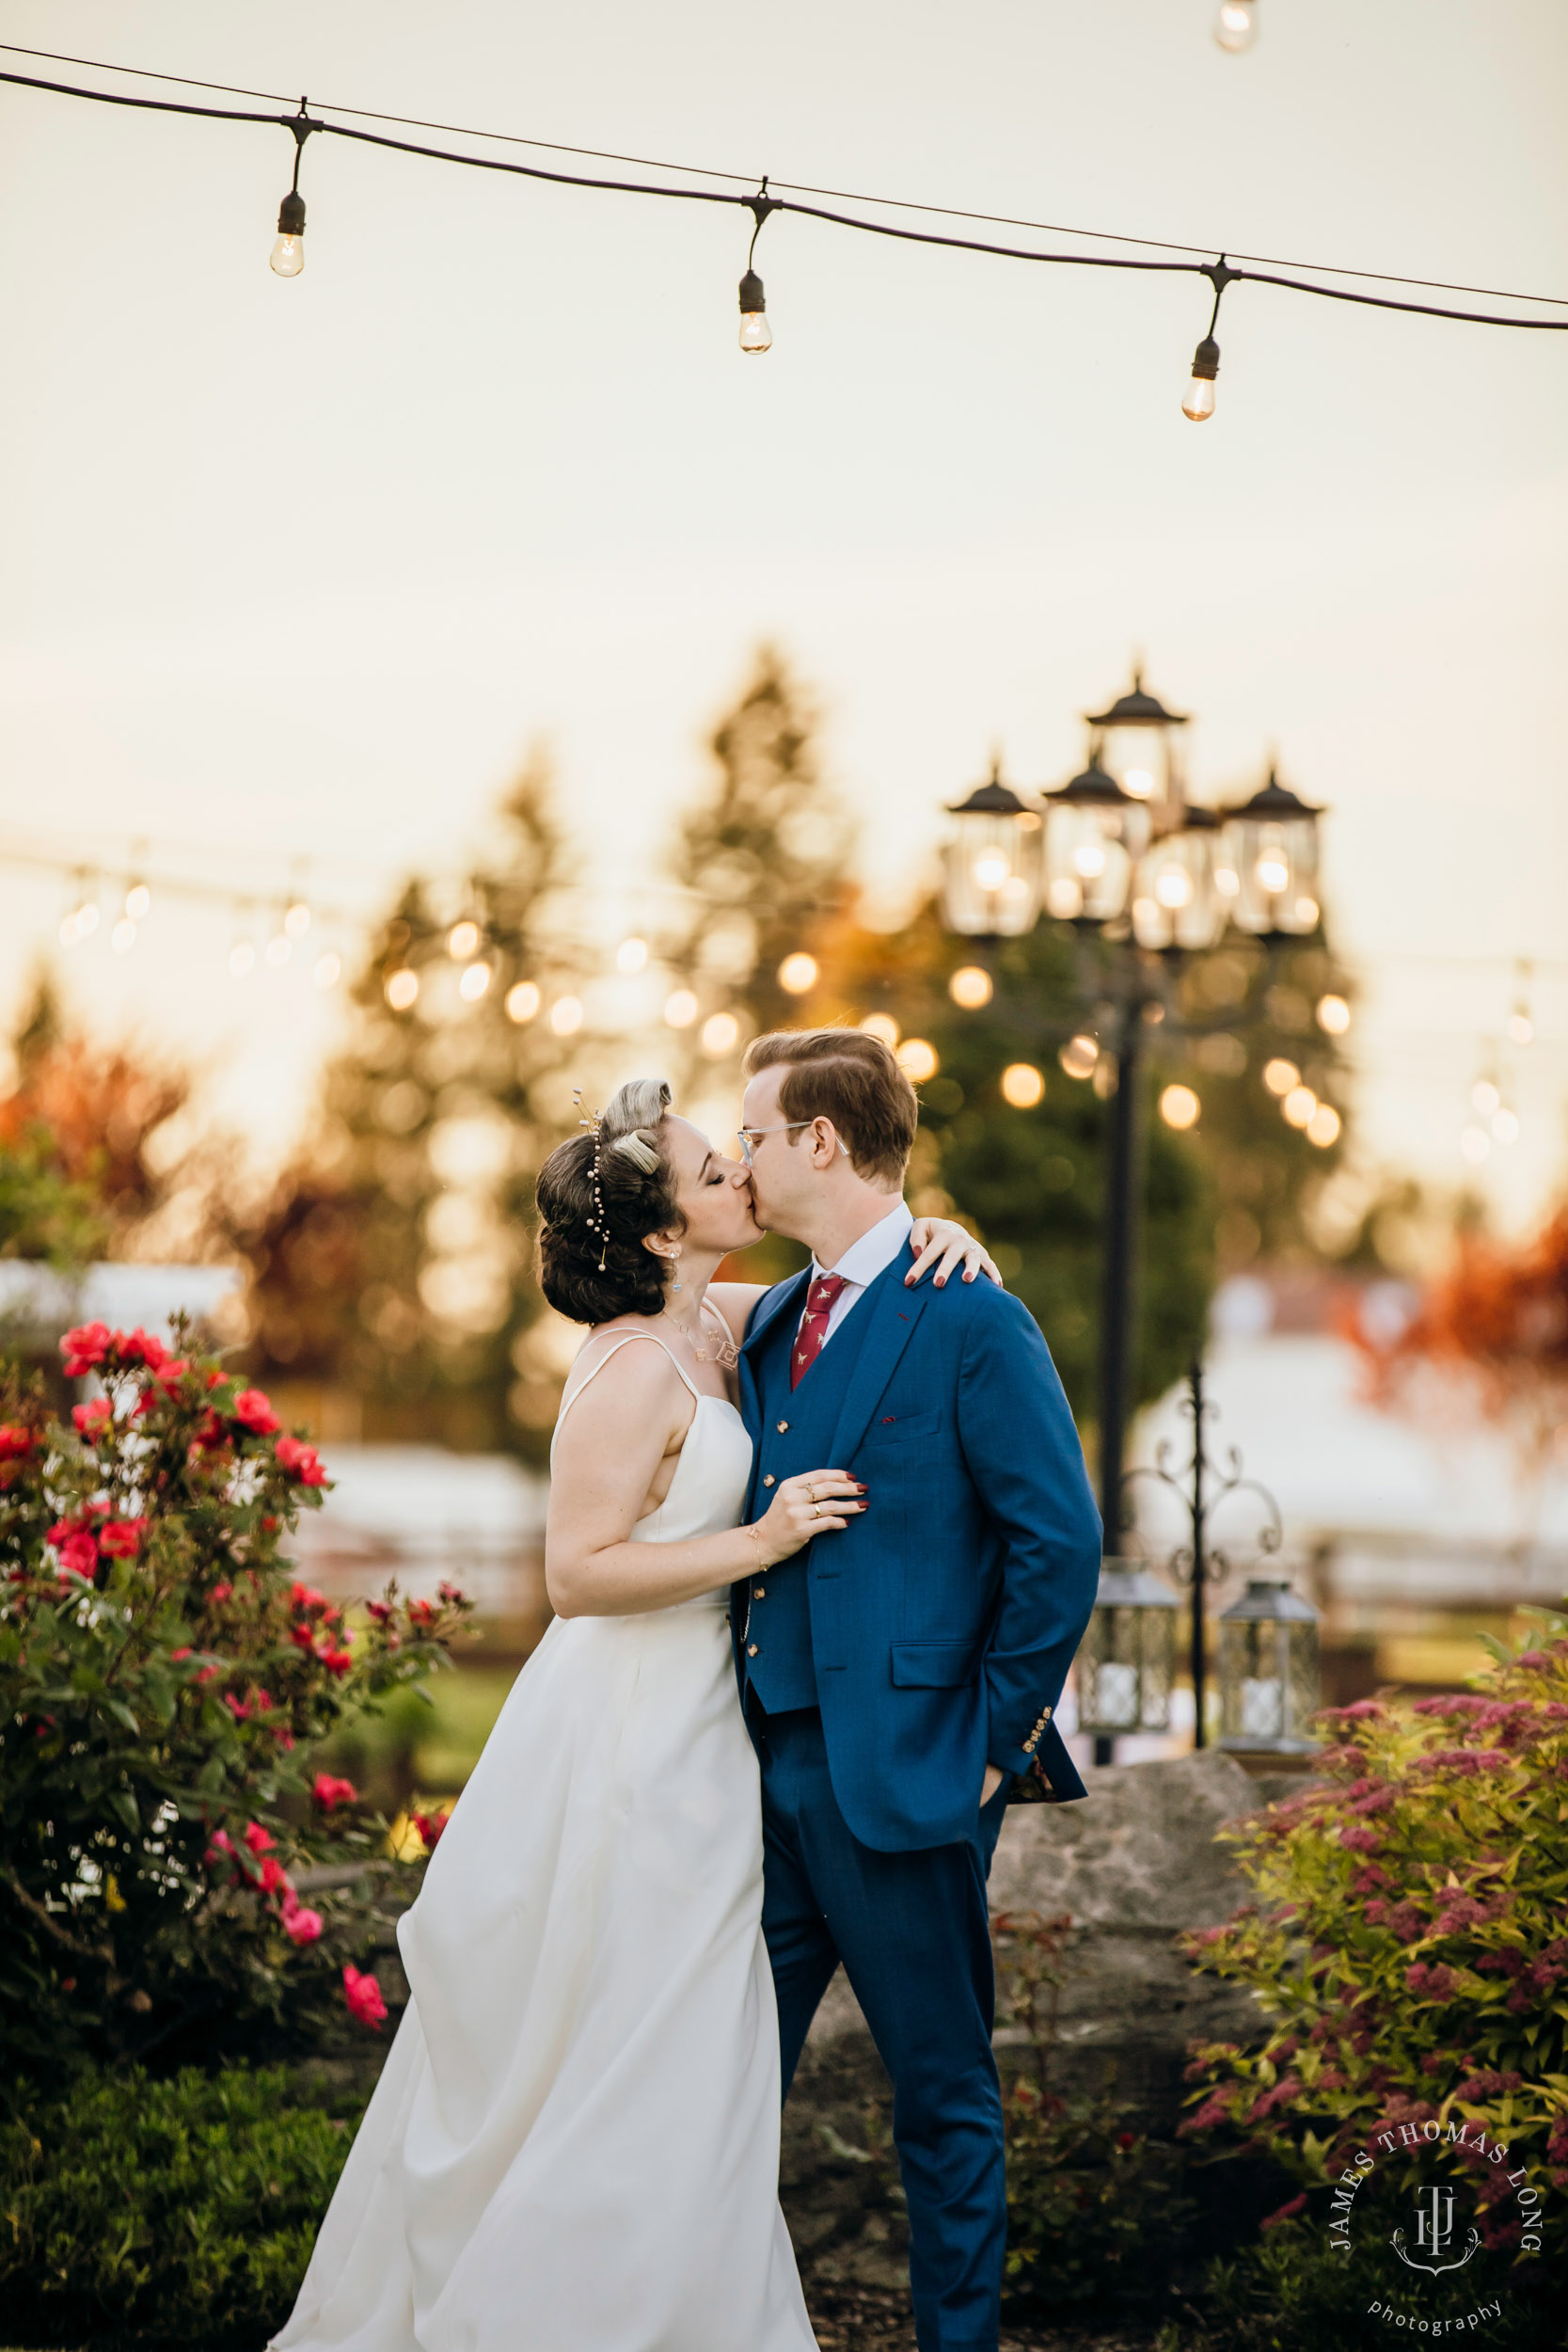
[992, 1781]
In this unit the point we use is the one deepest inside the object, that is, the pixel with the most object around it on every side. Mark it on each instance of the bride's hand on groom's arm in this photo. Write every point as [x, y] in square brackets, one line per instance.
[942, 1243]
[813, 1504]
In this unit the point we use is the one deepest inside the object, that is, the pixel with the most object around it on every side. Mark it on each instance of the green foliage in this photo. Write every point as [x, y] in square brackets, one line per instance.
[162, 1680]
[45, 1214]
[1093, 2212]
[177, 2212]
[1408, 1943]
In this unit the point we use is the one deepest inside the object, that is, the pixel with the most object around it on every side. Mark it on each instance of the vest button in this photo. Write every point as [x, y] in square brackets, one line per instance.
[760, 1593]
[768, 1479]
[751, 1649]
[780, 1427]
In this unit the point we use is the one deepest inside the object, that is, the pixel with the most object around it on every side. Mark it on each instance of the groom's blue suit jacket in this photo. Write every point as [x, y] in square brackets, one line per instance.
[941, 1625]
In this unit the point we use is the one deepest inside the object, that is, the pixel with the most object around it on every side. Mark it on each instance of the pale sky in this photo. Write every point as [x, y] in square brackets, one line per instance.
[295, 571]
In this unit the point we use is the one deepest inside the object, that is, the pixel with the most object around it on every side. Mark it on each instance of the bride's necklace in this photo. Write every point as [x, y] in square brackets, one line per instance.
[725, 1354]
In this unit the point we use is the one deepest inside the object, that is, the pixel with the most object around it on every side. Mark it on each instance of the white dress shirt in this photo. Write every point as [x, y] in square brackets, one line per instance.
[863, 1262]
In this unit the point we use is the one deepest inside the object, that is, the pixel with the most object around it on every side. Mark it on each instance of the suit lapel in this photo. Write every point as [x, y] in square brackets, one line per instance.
[788, 1293]
[893, 1312]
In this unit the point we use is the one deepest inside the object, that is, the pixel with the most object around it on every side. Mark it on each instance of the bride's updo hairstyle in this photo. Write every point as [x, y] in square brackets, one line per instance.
[598, 1197]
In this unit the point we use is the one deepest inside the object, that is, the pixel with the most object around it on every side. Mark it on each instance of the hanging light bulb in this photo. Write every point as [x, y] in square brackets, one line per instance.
[138, 900]
[288, 254]
[1236, 26]
[755, 333]
[1197, 402]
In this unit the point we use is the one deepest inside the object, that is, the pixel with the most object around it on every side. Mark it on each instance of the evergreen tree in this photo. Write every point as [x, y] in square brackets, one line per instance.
[395, 1257]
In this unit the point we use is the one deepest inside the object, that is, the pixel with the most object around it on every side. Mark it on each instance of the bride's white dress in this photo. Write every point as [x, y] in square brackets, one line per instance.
[574, 2144]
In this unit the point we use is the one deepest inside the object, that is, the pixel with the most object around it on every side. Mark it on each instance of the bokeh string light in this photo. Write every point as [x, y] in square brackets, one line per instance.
[755, 332]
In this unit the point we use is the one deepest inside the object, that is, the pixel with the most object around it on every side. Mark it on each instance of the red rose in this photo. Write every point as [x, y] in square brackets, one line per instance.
[253, 1411]
[258, 1839]
[140, 1347]
[236, 1707]
[85, 1349]
[379, 1609]
[275, 1878]
[15, 1441]
[121, 1539]
[301, 1461]
[221, 1593]
[363, 1996]
[430, 1826]
[91, 1418]
[299, 1925]
[80, 1553]
[330, 1791]
[337, 1661]
[221, 1844]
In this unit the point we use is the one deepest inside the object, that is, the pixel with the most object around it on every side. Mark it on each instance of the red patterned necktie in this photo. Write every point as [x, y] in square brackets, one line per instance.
[813, 1324]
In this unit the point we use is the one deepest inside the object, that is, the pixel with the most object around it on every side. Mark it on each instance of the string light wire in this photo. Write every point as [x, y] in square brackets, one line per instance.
[801, 187]
[1270, 275]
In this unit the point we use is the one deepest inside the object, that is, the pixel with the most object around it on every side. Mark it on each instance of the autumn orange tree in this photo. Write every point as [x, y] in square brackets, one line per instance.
[1492, 1330]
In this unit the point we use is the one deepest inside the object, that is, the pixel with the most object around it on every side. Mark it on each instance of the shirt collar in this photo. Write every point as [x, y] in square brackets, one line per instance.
[875, 1249]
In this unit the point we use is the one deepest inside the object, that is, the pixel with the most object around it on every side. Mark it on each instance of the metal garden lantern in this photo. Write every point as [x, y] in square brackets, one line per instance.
[1137, 748]
[1269, 1681]
[1126, 1667]
[1273, 845]
[1095, 834]
[991, 884]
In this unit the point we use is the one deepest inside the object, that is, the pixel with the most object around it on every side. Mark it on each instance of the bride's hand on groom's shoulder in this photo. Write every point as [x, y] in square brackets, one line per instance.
[813, 1504]
[941, 1243]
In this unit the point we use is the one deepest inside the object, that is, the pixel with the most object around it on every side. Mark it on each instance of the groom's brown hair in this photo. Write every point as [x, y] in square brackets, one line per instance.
[854, 1080]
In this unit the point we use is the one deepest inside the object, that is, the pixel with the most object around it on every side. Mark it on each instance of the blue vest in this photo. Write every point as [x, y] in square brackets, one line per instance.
[797, 1430]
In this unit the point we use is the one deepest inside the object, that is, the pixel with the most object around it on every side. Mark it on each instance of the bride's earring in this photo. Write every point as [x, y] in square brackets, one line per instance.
[675, 1281]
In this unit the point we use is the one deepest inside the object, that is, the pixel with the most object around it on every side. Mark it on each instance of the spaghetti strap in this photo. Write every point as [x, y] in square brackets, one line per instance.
[622, 1338]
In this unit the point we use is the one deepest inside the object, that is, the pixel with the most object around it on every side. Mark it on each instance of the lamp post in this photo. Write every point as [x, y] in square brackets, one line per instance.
[1150, 881]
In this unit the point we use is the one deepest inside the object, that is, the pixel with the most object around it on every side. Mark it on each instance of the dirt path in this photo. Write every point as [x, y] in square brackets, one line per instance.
[861, 2320]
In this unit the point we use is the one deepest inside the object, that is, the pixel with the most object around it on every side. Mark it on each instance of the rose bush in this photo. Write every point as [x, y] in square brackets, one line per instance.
[163, 1679]
[1409, 1946]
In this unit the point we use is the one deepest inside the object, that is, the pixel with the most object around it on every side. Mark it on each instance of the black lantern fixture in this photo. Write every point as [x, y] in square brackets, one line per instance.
[1126, 1666]
[1095, 834]
[1270, 1688]
[1273, 852]
[1137, 748]
[991, 883]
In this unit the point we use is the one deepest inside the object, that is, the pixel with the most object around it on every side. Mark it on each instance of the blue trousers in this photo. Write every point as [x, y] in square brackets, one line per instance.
[914, 1934]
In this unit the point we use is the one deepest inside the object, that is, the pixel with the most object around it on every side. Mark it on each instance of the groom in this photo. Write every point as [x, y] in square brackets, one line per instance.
[900, 1675]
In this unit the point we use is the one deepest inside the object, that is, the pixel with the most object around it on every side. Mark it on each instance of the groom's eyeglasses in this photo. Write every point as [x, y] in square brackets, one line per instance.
[748, 1135]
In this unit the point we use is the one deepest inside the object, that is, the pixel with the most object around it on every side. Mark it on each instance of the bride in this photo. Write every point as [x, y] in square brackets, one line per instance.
[574, 2144]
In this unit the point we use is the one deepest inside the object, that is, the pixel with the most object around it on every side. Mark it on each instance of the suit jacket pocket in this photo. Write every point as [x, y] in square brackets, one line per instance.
[933, 1665]
[906, 1430]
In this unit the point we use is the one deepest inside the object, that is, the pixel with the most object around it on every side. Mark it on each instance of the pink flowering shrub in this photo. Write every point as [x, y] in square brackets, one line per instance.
[1408, 1943]
[165, 1679]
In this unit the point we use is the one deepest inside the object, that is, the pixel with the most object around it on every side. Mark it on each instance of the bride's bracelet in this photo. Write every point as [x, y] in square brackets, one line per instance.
[749, 1528]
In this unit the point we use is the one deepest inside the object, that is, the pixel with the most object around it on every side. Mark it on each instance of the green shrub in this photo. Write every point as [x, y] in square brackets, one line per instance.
[1093, 2211]
[1409, 1946]
[174, 2212]
[163, 1683]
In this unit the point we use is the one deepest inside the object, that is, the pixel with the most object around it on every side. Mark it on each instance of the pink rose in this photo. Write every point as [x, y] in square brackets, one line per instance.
[253, 1411]
[16, 1443]
[274, 1880]
[140, 1347]
[258, 1839]
[92, 1418]
[301, 1461]
[121, 1539]
[330, 1791]
[300, 1924]
[363, 1996]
